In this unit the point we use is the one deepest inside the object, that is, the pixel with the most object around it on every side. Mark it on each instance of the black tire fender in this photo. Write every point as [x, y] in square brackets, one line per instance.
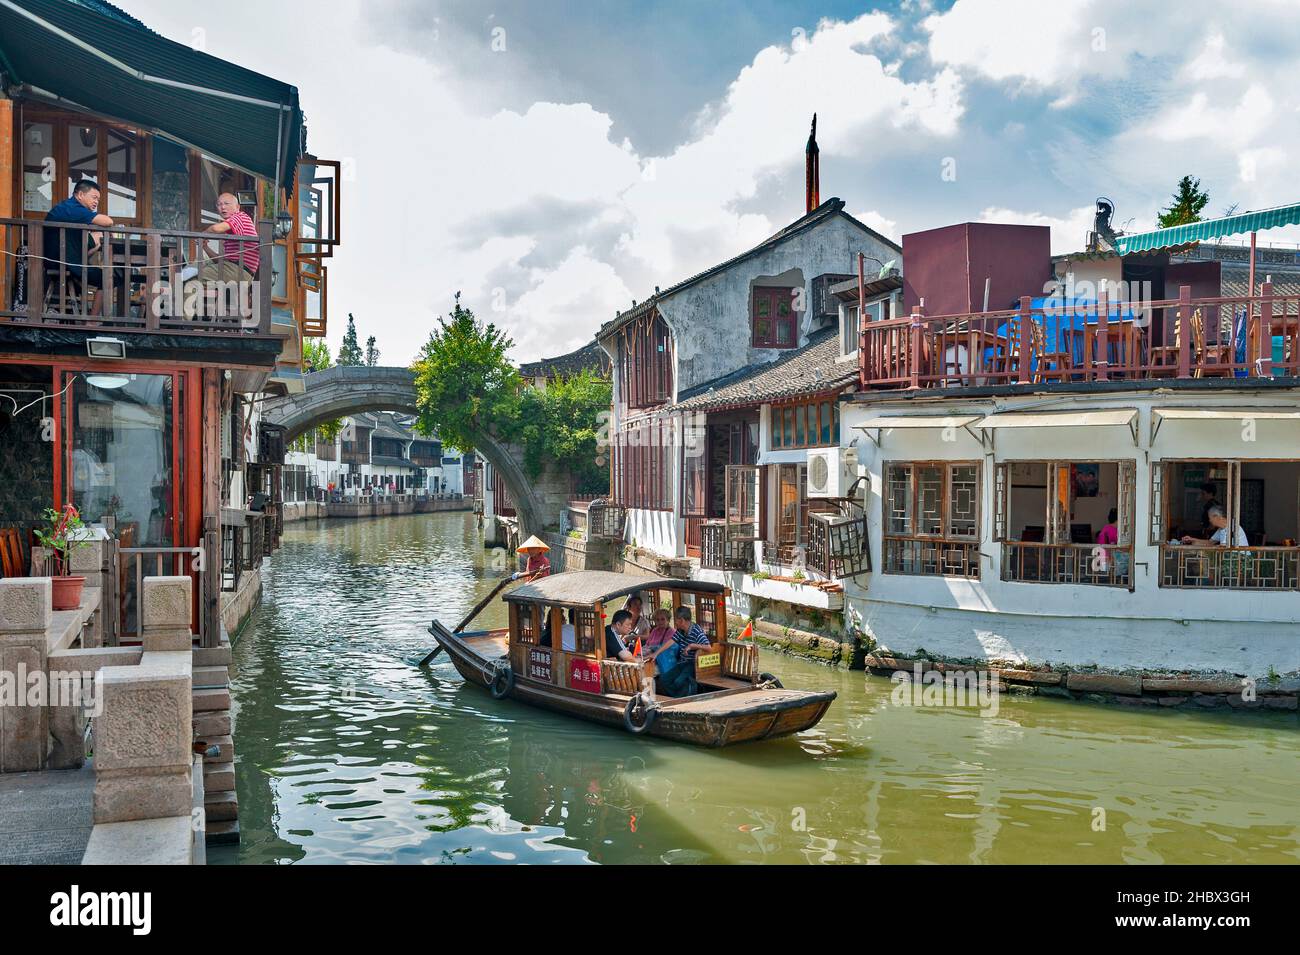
[639, 714]
[771, 681]
[502, 681]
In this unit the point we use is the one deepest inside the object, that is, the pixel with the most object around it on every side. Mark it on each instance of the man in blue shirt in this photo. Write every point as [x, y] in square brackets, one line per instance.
[82, 208]
[679, 678]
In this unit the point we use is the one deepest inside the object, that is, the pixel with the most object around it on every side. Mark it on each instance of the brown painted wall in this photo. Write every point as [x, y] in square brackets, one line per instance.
[947, 266]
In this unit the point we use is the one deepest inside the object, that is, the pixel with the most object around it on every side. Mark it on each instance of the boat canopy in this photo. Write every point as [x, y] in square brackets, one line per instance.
[583, 588]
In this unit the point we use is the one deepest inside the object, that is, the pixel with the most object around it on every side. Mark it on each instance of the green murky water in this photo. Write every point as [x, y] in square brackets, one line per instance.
[348, 753]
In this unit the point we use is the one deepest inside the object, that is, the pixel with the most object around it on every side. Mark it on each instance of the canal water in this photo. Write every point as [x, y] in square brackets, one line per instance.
[346, 752]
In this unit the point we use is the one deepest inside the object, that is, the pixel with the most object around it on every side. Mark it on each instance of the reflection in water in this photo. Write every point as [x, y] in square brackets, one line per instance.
[348, 752]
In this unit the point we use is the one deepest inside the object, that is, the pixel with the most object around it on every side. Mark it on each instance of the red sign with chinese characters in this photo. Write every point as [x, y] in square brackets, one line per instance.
[584, 674]
[539, 664]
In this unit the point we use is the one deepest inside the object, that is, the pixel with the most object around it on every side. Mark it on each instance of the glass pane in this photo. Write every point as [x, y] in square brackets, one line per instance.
[826, 424]
[38, 167]
[929, 489]
[787, 416]
[83, 155]
[123, 174]
[279, 270]
[963, 501]
[801, 425]
[899, 499]
[122, 453]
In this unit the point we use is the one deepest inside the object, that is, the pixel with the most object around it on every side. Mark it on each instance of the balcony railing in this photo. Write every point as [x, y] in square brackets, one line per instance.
[1228, 337]
[720, 550]
[931, 557]
[1110, 566]
[140, 274]
[1232, 568]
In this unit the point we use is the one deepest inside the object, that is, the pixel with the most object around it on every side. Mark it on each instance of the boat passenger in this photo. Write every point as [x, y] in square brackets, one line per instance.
[688, 637]
[615, 635]
[660, 632]
[640, 622]
[1219, 518]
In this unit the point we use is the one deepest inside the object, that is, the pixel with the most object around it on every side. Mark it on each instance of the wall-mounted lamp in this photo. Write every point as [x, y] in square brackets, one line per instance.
[283, 225]
[104, 347]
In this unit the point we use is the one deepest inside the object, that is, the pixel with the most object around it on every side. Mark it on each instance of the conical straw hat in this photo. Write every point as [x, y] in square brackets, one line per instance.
[533, 543]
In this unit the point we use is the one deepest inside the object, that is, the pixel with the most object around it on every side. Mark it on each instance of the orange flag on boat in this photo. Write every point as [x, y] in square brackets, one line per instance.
[748, 632]
[636, 651]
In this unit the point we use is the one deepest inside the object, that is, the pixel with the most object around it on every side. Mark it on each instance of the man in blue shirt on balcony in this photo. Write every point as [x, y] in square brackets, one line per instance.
[81, 208]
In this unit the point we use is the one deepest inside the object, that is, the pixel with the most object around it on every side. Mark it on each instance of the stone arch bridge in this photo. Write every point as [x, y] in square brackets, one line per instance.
[347, 389]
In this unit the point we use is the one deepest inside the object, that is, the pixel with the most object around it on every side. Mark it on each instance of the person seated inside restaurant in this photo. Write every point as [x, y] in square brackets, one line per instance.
[1108, 537]
[1209, 499]
[1220, 538]
[688, 637]
[81, 208]
[616, 637]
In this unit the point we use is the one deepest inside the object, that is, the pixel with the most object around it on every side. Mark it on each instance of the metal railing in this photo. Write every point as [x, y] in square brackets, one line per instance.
[136, 274]
[1032, 562]
[1232, 568]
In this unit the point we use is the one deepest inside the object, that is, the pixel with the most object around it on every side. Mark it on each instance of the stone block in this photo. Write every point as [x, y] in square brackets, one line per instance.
[26, 605]
[167, 603]
[167, 638]
[1105, 683]
[206, 701]
[212, 724]
[1187, 684]
[1038, 677]
[218, 777]
[146, 719]
[166, 841]
[129, 795]
[24, 719]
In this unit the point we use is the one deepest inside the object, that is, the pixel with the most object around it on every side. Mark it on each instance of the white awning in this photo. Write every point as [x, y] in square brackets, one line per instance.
[1107, 417]
[794, 456]
[1238, 413]
[886, 422]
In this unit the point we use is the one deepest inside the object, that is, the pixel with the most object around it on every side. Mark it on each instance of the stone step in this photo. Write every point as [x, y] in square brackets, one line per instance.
[208, 700]
[222, 833]
[218, 777]
[215, 723]
[213, 656]
[221, 806]
[227, 746]
[207, 677]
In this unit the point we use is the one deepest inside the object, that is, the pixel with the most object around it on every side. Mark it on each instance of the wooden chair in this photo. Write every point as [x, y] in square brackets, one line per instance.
[1202, 354]
[1059, 360]
[11, 552]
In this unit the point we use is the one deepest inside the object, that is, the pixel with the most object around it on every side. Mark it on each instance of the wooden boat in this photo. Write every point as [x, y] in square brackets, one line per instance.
[735, 703]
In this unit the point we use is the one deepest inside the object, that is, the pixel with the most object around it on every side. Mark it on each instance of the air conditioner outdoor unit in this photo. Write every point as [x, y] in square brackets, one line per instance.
[831, 471]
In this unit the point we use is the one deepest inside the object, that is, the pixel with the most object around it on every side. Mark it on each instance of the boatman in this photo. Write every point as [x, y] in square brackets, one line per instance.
[538, 564]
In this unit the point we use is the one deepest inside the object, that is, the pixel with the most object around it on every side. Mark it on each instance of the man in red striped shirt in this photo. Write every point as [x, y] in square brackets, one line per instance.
[238, 261]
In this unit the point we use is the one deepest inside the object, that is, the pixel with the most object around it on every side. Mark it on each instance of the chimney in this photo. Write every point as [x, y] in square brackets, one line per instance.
[812, 170]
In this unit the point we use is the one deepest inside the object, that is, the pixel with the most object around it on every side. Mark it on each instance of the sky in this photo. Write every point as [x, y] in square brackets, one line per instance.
[555, 162]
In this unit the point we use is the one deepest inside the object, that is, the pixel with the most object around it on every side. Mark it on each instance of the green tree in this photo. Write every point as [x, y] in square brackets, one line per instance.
[1188, 201]
[372, 352]
[350, 350]
[316, 357]
[561, 424]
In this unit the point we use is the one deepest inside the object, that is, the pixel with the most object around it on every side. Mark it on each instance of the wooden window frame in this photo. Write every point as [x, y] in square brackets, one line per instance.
[772, 294]
[826, 410]
[645, 350]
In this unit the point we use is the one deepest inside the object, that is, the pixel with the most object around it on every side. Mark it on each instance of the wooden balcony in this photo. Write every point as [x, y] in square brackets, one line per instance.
[726, 547]
[1230, 568]
[141, 268]
[1222, 337]
[931, 557]
[1032, 562]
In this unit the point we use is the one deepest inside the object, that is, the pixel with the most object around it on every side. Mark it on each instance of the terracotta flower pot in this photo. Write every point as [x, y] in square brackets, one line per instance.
[67, 592]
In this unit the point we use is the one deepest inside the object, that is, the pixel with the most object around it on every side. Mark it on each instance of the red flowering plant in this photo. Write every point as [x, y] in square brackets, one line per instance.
[62, 535]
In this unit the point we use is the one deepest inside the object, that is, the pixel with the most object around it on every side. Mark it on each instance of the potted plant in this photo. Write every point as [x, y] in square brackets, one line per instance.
[64, 532]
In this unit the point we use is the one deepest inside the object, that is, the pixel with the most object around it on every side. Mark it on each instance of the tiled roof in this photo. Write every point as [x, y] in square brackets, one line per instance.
[828, 209]
[590, 357]
[1234, 281]
[810, 370]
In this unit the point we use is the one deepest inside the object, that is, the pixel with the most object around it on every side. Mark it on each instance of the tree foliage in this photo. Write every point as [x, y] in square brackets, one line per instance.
[316, 357]
[562, 424]
[467, 387]
[1188, 201]
[350, 350]
[372, 352]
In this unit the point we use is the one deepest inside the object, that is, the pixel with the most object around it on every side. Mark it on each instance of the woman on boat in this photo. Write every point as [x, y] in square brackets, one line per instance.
[538, 564]
[640, 622]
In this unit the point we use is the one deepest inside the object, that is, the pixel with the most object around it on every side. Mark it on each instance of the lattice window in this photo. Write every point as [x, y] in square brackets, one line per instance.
[898, 499]
[585, 630]
[963, 501]
[1157, 514]
[929, 499]
[1001, 500]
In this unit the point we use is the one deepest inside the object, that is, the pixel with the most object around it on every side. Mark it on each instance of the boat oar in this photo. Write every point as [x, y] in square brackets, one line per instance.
[478, 607]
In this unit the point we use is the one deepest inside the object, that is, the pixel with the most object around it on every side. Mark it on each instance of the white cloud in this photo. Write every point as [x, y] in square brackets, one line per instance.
[1211, 63]
[1069, 232]
[1043, 43]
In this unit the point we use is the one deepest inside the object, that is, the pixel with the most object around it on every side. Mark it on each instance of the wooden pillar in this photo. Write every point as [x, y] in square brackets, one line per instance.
[1026, 350]
[1103, 353]
[914, 349]
[1264, 359]
[1184, 331]
[210, 586]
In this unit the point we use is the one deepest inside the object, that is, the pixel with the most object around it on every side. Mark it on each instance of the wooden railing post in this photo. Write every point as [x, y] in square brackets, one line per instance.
[1103, 352]
[153, 281]
[914, 350]
[1264, 358]
[265, 239]
[35, 272]
[1184, 331]
[1026, 349]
